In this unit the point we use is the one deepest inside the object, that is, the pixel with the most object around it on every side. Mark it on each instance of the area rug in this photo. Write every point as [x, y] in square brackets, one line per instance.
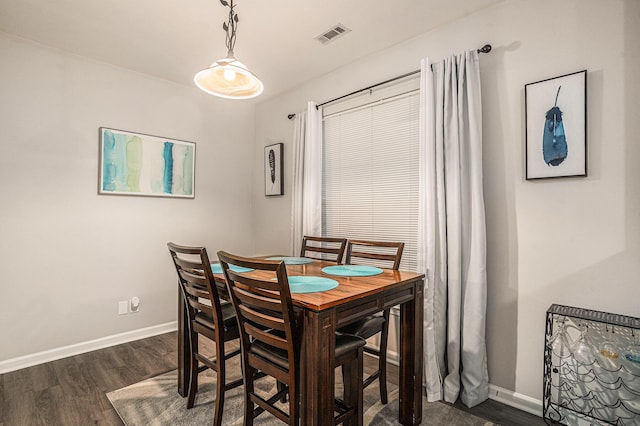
[156, 402]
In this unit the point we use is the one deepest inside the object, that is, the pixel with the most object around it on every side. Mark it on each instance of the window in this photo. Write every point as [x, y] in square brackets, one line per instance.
[370, 173]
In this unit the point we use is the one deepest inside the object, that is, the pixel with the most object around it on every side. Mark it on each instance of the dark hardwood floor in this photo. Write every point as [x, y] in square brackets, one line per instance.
[71, 391]
[489, 410]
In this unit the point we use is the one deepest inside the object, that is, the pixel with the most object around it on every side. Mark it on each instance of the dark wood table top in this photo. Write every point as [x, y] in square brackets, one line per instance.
[349, 288]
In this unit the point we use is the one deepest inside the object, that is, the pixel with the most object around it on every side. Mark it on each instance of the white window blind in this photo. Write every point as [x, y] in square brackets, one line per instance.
[370, 173]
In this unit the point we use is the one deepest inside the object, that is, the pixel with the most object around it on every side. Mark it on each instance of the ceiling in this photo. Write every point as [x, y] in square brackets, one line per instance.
[174, 39]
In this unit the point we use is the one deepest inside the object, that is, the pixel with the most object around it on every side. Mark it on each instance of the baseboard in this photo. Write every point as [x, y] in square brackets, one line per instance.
[516, 400]
[88, 346]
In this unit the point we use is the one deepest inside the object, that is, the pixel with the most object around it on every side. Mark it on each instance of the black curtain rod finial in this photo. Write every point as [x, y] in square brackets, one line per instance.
[291, 116]
[485, 49]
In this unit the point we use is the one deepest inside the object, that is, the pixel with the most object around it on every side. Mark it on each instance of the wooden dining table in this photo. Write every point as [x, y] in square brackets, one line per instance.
[322, 314]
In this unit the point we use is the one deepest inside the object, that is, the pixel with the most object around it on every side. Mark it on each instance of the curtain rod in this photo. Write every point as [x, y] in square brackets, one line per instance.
[484, 49]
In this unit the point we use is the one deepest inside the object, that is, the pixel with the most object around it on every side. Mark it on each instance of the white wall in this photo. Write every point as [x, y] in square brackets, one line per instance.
[568, 241]
[68, 255]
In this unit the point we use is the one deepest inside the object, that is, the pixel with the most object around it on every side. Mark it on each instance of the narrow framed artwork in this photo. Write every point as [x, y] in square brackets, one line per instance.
[273, 173]
[556, 127]
[138, 164]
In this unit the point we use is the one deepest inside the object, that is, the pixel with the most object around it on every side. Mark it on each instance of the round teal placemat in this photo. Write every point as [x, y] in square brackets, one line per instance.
[288, 260]
[352, 270]
[216, 268]
[310, 284]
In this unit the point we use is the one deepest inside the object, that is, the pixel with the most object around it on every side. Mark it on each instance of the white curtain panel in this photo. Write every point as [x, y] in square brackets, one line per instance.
[306, 203]
[451, 231]
[299, 132]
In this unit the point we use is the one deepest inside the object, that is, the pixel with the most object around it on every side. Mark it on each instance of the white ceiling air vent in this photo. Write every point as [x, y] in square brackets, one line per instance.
[333, 33]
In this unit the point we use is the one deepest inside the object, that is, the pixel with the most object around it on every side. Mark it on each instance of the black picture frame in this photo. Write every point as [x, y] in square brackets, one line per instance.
[273, 171]
[556, 127]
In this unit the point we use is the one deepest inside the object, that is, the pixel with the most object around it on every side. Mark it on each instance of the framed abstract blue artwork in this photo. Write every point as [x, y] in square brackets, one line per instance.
[556, 127]
[139, 164]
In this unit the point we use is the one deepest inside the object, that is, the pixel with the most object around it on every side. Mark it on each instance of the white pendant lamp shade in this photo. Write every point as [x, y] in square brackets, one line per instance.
[229, 78]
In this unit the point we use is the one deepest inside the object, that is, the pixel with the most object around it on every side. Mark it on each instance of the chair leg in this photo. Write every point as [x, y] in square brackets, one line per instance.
[352, 380]
[220, 384]
[279, 387]
[360, 389]
[193, 380]
[382, 359]
[248, 390]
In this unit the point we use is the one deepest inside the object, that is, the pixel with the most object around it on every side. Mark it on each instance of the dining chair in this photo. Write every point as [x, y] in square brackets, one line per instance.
[270, 340]
[380, 253]
[323, 248]
[208, 317]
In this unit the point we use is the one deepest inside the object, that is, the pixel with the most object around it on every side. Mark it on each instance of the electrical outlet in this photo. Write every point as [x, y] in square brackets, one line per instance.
[123, 307]
[134, 304]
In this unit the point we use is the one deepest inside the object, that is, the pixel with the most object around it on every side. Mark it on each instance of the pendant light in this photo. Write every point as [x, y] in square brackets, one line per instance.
[228, 77]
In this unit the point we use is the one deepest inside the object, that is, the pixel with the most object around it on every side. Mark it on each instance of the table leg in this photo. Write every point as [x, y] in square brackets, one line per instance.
[411, 358]
[317, 374]
[184, 348]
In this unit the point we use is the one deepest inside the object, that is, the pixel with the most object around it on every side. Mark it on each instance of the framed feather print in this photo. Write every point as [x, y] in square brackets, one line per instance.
[556, 126]
[273, 173]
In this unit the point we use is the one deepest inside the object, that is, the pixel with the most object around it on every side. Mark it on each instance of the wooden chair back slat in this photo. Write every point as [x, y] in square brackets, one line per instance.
[194, 277]
[377, 256]
[189, 265]
[265, 337]
[258, 317]
[263, 301]
[196, 292]
[199, 306]
[250, 262]
[323, 248]
[254, 283]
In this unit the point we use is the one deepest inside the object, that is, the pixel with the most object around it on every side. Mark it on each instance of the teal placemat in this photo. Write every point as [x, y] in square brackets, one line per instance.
[311, 284]
[217, 268]
[352, 270]
[291, 260]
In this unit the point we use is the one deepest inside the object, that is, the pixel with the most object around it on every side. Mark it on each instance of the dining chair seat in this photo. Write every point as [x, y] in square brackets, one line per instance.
[366, 327]
[344, 344]
[347, 343]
